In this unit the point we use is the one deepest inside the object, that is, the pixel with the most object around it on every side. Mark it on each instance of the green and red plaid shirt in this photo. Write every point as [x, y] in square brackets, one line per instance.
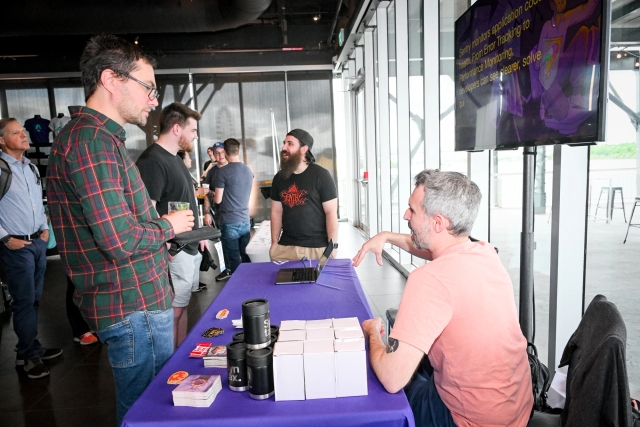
[109, 235]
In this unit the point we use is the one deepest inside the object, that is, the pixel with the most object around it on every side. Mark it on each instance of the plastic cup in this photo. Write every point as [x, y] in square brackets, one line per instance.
[178, 206]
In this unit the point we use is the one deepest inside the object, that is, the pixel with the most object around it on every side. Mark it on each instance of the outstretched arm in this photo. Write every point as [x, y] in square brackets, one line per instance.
[376, 245]
[581, 13]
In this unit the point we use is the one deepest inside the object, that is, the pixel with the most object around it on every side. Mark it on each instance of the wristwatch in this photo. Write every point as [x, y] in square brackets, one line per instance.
[6, 239]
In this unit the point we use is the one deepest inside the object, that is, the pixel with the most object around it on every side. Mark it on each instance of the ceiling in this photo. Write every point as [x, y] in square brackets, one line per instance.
[48, 36]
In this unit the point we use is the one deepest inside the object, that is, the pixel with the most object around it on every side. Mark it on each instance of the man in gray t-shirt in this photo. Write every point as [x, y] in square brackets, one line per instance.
[232, 191]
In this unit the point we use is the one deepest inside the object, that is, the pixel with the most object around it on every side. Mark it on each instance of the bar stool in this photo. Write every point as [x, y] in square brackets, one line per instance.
[611, 201]
[637, 224]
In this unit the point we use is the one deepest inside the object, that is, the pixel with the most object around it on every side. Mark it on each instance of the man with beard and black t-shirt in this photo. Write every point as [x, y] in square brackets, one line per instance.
[304, 204]
[168, 180]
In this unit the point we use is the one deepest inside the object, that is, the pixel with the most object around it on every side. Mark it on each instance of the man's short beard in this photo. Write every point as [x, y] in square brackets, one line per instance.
[422, 237]
[288, 166]
[185, 144]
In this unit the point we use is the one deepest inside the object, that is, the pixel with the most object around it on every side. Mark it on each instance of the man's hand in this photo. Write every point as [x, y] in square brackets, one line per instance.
[208, 220]
[15, 244]
[44, 235]
[375, 245]
[204, 246]
[181, 221]
[373, 327]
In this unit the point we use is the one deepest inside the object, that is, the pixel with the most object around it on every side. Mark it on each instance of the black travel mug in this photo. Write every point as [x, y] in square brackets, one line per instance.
[237, 366]
[238, 336]
[275, 330]
[256, 323]
[260, 373]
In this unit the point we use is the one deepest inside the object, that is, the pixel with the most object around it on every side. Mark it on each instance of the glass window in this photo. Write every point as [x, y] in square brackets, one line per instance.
[450, 10]
[612, 268]
[416, 92]
[310, 109]
[393, 119]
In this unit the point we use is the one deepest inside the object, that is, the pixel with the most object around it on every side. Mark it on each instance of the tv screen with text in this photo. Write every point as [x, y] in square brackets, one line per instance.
[528, 72]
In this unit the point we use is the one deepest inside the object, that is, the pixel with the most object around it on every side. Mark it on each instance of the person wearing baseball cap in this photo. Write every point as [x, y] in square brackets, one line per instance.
[304, 203]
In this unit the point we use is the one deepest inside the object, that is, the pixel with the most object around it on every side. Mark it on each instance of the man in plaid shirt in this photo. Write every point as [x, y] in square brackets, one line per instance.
[110, 237]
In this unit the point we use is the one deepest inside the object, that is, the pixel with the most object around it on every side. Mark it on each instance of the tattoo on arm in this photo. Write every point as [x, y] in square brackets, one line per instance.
[392, 345]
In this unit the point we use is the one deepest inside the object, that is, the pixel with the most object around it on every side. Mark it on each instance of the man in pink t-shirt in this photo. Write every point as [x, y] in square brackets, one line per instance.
[459, 310]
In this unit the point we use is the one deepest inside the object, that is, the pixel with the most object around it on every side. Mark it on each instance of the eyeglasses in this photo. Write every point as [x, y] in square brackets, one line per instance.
[153, 91]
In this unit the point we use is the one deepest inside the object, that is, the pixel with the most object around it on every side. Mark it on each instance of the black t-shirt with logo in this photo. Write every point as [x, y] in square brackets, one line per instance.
[168, 180]
[303, 219]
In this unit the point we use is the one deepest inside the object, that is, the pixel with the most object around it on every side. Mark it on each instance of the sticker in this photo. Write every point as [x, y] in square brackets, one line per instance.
[177, 377]
[222, 314]
[200, 350]
[213, 332]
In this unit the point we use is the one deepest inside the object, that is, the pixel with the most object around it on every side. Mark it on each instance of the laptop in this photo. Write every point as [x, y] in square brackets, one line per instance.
[291, 276]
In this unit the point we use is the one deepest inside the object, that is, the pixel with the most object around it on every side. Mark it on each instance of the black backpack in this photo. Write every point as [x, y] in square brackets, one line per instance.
[6, 176]
[540, 380]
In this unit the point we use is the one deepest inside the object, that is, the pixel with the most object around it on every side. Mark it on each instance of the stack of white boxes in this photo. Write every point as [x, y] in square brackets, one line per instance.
[319, 359]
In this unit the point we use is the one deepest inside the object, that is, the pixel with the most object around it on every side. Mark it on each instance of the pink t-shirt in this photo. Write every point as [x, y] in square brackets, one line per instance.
[460, 310]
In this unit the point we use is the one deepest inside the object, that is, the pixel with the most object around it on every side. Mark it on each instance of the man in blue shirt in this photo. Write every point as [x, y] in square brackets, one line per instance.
[232, 191]
[23, 235]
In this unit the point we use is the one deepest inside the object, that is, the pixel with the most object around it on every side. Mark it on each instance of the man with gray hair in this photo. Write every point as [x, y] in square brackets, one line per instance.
[457, 310]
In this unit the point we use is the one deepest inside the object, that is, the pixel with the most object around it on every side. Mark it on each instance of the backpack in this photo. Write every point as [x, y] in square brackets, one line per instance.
[6, 176]
[540, 380]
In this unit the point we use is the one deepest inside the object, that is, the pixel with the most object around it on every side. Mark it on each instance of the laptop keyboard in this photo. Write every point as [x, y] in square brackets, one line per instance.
[300, 274]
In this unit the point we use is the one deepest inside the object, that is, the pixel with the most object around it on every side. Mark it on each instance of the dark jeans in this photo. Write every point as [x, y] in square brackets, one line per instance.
[25, 269]
[235, 238]
[428, 409]
[79, 326]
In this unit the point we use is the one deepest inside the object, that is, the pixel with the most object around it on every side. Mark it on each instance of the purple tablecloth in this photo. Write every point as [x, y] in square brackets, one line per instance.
[338, 294]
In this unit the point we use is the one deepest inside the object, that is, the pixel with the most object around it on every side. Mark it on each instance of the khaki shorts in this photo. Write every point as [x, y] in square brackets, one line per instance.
[293, 253]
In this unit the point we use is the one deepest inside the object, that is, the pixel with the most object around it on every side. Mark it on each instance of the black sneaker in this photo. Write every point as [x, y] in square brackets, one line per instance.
[35, 368]
[223, 276]
[51, 353]
[46, 354]
[201, 286]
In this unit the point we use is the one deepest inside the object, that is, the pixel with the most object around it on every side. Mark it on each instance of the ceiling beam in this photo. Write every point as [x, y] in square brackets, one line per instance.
[622, 11]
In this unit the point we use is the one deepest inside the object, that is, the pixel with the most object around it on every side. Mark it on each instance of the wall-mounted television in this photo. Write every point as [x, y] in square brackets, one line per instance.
[531, 72]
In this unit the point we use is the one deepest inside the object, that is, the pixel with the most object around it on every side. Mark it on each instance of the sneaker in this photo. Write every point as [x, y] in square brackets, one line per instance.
[46, 354]
[51, 353]
[223, 276]
[86, 339]
[35, 368]
[201, 286]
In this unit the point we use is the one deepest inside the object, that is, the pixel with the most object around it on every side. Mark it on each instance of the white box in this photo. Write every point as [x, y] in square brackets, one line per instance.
[319, 334]
[289, 325]
[351, 367]
[296, 335]
[319, 369]
[288, 370]
[344, 334]
[346, 323]
[319, 324]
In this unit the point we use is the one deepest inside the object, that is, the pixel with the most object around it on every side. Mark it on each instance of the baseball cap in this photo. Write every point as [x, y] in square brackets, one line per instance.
[217, 145]
[304, 138]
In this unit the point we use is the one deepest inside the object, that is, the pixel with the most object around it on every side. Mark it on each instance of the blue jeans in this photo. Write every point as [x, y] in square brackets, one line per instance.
[235, 238]
[138, 347]
[25, 269]
[428, 408]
